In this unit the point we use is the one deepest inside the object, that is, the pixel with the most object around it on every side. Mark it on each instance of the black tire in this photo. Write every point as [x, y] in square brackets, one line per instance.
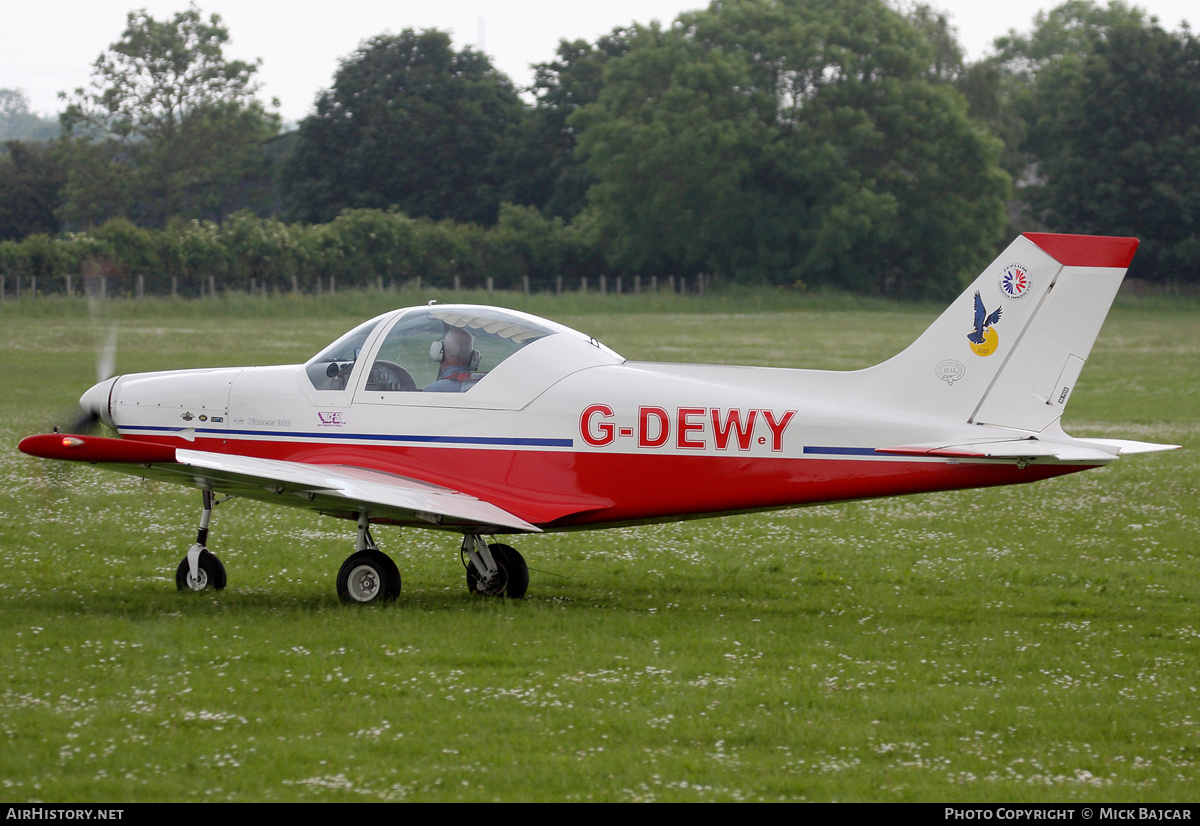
[368, 576]
[512, 564]
[210, 569]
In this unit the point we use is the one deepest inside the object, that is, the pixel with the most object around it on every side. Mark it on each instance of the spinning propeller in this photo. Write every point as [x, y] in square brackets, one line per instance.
[93, 404]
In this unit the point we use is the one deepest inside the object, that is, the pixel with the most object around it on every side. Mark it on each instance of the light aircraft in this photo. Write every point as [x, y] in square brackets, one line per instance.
[483, 421]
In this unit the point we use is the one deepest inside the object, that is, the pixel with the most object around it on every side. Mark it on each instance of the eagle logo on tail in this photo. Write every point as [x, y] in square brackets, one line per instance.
[983, 338]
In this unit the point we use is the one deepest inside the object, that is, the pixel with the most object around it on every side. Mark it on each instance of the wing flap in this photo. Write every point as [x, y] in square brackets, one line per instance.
[339, 487]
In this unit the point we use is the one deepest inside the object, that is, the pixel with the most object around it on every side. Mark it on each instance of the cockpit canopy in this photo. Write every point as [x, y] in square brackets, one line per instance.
[452, 349]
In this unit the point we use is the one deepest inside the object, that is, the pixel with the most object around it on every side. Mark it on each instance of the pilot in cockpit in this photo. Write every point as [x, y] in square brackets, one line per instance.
[455, 352]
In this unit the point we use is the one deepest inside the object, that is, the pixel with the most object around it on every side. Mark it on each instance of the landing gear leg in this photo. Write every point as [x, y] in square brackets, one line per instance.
[368, 575]
[494, 570]
[201, 569]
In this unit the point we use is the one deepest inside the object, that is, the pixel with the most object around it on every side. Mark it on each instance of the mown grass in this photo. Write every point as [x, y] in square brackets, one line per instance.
[1033, 643]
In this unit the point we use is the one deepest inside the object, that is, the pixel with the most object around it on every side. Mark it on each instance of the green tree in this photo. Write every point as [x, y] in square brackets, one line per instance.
[792, 140]
[409, 123]
[1120, 155]
[991, 102]
[1066, 33]
[1030, 74]
[942, 38]
[31, 183]
[547, 173]
[1107, 109]
[168, 126]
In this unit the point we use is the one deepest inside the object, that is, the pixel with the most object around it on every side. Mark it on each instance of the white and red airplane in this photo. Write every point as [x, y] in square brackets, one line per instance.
[484, 421]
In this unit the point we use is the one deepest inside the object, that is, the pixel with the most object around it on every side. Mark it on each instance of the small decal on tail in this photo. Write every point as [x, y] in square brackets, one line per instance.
[1014, 281]
[950, 371]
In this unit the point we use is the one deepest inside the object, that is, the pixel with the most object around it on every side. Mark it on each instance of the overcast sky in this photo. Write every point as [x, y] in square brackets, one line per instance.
[48, 46]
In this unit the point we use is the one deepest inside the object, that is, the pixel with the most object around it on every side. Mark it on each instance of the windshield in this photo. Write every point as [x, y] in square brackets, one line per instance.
[330, 369]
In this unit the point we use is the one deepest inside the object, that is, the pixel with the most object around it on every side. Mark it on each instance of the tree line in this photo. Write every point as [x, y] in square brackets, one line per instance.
[841, 143]
[359, 248]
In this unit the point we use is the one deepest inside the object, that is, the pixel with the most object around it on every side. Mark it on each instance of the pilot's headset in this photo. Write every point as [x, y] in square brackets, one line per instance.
[437, 351]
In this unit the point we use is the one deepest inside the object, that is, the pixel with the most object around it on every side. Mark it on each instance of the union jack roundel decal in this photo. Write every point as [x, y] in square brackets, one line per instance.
[1014, 281]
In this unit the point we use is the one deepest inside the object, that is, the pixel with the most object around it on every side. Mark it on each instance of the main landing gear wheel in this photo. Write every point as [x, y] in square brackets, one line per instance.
[210, 573]
[513, 579]
[368, 576]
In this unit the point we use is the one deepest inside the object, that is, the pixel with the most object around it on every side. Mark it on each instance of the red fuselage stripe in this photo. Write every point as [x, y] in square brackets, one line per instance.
[563, 488]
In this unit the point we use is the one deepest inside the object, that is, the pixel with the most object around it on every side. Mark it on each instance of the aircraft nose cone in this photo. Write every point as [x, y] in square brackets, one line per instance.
[96, 401]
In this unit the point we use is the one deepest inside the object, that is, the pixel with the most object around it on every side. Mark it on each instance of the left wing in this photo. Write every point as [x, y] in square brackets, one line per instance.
[340, 490]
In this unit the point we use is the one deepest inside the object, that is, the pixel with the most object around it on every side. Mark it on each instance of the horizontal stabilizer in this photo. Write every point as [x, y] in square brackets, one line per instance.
[1015, 449]
[1125, 447]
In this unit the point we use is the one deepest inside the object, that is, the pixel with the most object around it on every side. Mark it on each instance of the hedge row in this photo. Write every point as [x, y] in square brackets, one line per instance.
[361, 248]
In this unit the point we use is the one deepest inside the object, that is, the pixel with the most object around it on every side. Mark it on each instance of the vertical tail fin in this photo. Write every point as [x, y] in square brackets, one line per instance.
[1007, 352]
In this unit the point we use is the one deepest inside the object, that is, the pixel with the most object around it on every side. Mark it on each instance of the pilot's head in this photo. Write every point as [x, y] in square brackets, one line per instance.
[455, 348]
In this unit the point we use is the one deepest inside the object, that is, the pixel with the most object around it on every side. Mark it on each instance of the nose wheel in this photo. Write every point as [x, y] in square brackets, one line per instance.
[209, 573]
[201, 569]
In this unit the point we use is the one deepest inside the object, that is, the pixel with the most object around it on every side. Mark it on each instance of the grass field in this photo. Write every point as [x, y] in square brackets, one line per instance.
[1032, 643]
